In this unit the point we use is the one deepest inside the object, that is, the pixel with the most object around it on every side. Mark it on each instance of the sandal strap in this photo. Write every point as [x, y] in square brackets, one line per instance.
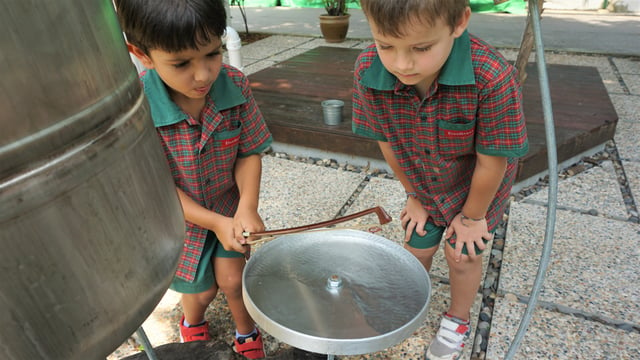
[194, 333]
[251, 348]
[248, 347]
[198, 331]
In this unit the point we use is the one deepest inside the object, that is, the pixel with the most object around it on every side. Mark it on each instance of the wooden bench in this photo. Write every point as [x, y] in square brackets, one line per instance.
[289, 95]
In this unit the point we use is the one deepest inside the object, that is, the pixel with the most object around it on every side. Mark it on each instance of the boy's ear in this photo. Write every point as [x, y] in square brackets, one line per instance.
[463, 23]
[144, 59]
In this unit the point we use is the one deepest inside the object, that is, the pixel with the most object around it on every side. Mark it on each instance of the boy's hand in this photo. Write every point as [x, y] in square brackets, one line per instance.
[468, 232]
[413, 216]
[246, 221]
[226, 236]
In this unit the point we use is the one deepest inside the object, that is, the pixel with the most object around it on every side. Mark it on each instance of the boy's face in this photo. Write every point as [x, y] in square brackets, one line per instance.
[417, 57]
[189, 74]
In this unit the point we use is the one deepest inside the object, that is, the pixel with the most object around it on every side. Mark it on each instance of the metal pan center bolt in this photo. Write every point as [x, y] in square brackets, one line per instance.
[334, 282]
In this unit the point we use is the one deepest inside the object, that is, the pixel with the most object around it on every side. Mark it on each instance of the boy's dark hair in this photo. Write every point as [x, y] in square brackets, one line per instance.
[171, 25]
[392, 16]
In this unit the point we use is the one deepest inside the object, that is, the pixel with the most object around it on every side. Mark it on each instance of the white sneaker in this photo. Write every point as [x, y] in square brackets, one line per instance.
[449, 341]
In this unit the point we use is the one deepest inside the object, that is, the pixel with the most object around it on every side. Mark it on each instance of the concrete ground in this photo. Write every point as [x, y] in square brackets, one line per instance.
[589, 304]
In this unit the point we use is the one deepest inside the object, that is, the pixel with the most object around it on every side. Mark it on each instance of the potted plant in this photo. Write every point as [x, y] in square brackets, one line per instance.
[335, 23]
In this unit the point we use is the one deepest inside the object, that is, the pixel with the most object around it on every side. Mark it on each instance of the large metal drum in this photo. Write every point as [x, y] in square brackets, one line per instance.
[340, 292]
[91, 228]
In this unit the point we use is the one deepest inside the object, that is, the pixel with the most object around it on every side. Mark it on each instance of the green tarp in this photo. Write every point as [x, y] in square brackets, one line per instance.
[509, 6]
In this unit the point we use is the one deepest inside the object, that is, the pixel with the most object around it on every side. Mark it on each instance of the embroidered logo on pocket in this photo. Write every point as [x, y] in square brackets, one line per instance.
[458, 133]
[230, 142]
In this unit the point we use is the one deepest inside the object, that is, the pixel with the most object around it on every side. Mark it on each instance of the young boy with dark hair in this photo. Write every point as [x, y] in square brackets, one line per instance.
[213, 135]
[446, 110]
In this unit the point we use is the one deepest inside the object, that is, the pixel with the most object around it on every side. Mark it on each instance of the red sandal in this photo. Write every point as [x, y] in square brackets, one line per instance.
[194, 333]
[251, 347]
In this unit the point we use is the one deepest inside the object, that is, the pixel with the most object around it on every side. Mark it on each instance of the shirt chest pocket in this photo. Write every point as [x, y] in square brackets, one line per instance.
[218, 160]
[456, 139]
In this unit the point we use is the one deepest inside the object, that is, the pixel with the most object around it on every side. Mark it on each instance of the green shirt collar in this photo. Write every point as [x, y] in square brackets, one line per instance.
[224, 93]
[457, 70]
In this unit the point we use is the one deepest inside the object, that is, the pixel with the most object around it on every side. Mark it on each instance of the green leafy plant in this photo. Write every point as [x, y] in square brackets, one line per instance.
[336, 7]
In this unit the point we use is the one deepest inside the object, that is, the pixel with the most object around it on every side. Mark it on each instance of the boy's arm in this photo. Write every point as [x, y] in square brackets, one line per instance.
[248, 171]
[201, 216]
[413, 216]
[470, 225]
[390, 158]
[486, 180]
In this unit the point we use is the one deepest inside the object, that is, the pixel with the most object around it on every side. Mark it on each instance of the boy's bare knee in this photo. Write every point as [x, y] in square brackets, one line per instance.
[203, 299]
[231, 285]
[426, 254]
[466, 262]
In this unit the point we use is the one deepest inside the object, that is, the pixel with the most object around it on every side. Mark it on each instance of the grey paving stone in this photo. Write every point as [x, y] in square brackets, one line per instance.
[557, 336]
[593, 266]
[627, 137]
[272, 45]
[633, 83]
[259, 50]
[256, 66]
[285, 55]
[595, 189]
[314, 42]
[627, 107]
[632, 171]
[627, 65]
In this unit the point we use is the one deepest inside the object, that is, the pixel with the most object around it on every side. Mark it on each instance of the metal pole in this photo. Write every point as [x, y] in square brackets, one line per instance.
[534, 13]
[148, 349]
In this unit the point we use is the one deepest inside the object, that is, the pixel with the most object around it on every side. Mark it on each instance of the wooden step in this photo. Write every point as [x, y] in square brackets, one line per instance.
[289, 95]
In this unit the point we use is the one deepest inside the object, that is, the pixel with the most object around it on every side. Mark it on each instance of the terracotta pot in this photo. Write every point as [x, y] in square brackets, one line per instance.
[334, 28]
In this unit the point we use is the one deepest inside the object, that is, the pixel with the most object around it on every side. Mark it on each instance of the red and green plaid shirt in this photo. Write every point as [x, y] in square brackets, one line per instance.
[473, 106]
[202, 155]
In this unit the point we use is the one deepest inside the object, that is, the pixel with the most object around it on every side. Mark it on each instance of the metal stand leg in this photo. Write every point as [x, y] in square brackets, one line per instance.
[148, 349]
[553, 181]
